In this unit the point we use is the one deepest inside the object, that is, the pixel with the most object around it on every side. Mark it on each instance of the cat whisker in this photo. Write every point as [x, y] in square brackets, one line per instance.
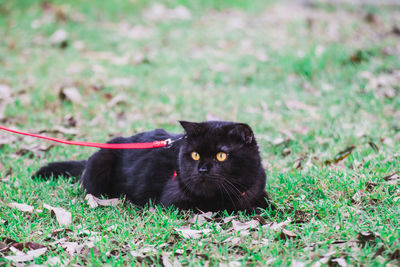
[229, 195]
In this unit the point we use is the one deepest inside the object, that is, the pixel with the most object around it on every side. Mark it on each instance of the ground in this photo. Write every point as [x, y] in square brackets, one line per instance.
[318, 81]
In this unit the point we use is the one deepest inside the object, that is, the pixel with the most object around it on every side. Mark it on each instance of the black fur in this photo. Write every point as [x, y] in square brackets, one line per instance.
[238, 183]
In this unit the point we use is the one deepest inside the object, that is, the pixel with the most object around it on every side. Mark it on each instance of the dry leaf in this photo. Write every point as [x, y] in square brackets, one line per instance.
[118, 99]
[357, 197]
[392, 177]
[72, 94]
[366, 237]
[30, 255]
[63, 217]
[21, 207]
[189, 233]
[165, 261]
[63, 130]
[5, 98]
[60, 230]
[53, 261]
[341, 155]
[228, 219]
[277, 226]
[139, 32]
[286, 152]
[158, 12]
[59, 37]
[286, 234]
[239, 226]
[295, 104]
[27, 245]
[121, 82]
[260, 219]
[234, 241]
[339, 261]
[202, 218]
[7, 138]
[142, 253]
[72, 247]
[93, 201]
[296, 263]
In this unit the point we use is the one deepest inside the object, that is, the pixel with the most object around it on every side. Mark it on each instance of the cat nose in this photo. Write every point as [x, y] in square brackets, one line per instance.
[203, 169]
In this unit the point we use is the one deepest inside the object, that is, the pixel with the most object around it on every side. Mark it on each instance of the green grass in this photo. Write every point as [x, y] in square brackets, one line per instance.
[258, 62]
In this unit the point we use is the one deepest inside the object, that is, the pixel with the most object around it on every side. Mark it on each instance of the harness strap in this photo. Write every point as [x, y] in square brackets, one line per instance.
[154, 144]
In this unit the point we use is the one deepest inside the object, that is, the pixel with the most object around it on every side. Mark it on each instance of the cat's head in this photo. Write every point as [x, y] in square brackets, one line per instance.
[219, 158]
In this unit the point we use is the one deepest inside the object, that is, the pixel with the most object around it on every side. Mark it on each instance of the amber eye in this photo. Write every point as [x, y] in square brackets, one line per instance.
[221, 156]
[195, 155]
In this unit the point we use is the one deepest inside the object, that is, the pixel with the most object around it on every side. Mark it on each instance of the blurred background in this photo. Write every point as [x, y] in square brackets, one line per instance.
[310, 77]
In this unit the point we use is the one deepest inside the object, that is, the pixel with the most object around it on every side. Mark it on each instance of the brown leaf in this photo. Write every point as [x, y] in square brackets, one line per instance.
[239, 226]
[371, 18]
[59, 38]
[373, 146]
[358, 56]
[3, 246]
[391, 177]
[30, 255]
[118, 99]
[189, 233]
[396, 30]
[63, 130]
[379, 251]
[260, 219]
[8, 241]
[341, 155]
[90, 250]
[286, 234]
[69, 120]
[395, 255]
[21, 207]
[63, 217]
[366, 237]
[286, 152]
[72, 94]
[143, 253]
[202, 218]
[277, 226]
[93, 201]
[61, 230]
[27, 245]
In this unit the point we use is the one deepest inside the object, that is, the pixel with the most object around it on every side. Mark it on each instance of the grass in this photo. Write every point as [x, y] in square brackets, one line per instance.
[294, 73]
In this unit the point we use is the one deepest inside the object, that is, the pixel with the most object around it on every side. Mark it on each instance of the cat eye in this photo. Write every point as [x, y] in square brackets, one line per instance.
[221, 156]
[195, 155]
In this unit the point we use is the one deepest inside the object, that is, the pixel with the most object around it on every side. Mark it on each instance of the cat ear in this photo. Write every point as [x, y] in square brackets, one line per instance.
[242, 131]
[191, 128]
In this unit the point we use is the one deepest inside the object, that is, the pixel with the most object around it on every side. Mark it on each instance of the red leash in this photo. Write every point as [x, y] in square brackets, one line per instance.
[154, 144]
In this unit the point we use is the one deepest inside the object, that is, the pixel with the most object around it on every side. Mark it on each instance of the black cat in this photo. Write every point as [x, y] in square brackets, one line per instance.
[214, 166]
